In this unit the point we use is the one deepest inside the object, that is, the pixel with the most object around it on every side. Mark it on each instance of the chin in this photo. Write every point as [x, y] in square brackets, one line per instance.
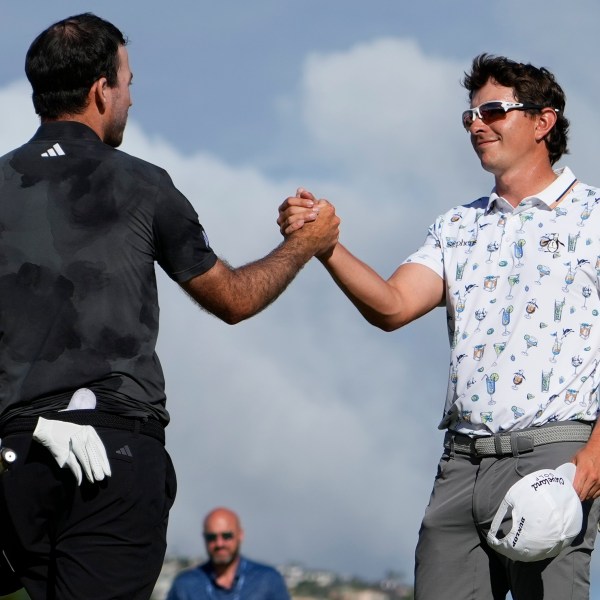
[488, 165]
[222, 561]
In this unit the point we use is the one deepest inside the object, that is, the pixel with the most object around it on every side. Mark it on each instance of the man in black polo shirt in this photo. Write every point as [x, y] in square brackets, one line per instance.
[81, 226]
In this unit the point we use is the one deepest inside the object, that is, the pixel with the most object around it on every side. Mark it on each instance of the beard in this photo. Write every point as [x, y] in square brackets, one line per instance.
[224, 559]
[113, 135]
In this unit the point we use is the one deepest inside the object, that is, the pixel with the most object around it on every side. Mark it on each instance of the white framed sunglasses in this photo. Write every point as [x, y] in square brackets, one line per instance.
[490, 111]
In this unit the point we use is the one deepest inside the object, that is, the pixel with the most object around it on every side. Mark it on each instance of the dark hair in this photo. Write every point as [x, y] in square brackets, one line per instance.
[530, 84]
[65, 60]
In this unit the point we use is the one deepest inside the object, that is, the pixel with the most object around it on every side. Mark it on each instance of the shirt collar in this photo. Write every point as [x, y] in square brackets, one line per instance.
[542, 200]
[53, 130]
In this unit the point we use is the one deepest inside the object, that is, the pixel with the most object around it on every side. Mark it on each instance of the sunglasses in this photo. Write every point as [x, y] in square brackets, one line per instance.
[489, 112]
[213, 537]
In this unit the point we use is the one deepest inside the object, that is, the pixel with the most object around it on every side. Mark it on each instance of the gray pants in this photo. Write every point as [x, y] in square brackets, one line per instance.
[453, 559]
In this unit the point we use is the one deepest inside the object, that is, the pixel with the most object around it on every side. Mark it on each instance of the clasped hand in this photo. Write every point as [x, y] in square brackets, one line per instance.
[297, 211]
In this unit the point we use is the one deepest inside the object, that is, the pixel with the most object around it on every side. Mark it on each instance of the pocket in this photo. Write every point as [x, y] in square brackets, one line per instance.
[121, 451]
[170, 484]
[443, 465]
[156, 484]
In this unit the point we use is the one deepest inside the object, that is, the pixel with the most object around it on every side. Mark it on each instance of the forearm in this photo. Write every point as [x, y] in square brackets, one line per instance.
[409, 293]
[257, 284]
[372, 295]
[236, 294]
[412, 291]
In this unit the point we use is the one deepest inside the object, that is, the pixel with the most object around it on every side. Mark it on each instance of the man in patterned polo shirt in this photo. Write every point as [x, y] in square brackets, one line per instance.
[81, 226]
[519, 273]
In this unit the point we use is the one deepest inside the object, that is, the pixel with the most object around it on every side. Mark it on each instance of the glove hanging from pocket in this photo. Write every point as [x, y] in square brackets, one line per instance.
[78, 447]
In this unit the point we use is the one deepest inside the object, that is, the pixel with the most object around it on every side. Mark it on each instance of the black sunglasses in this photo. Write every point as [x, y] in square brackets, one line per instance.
[490, 111]
[212, 537]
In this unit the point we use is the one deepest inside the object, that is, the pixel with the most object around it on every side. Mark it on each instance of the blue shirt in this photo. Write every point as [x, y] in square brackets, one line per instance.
[253, 581]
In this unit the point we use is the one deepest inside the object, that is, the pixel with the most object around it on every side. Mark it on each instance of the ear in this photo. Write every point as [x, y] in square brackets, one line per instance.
[99, 94]
[546, 120]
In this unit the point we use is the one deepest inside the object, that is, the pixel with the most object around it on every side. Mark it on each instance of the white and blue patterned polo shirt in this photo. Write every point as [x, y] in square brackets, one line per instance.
[523, 305]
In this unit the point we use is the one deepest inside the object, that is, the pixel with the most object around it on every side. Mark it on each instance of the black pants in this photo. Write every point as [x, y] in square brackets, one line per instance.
[100, 541]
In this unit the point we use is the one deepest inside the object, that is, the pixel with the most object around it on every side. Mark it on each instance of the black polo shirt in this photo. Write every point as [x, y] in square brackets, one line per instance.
[81, 225]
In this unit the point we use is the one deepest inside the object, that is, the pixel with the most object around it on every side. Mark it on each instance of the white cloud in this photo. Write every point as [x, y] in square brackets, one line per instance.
[19, 121]
[385, 117]
[386, 109]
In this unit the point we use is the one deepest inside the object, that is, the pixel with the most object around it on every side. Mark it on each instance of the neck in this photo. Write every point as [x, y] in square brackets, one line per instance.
[86, 117]
[525, 181]
[225, 574]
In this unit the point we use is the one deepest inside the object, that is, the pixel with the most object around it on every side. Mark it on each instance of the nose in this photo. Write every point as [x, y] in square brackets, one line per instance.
[476, 124]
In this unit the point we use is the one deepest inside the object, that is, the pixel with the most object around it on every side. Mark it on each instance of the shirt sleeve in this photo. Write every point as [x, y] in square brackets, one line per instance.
[430, 253]
[277, 589]
[181, 244]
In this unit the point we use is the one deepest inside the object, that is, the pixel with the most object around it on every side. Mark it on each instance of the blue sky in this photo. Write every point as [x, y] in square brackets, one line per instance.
[320, 430]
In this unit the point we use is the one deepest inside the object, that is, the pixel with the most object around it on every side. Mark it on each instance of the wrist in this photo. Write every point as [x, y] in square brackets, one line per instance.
[326, 257]
[298, 249]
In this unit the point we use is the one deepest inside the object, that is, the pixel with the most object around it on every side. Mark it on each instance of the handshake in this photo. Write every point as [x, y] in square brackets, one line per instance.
[77, 447]
[304, 208]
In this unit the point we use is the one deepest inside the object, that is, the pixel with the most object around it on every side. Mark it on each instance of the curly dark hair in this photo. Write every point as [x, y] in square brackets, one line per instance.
[65, 60]
[530, 84]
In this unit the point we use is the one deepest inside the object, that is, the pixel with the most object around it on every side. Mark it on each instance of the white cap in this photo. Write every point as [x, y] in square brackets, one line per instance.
[546, 515]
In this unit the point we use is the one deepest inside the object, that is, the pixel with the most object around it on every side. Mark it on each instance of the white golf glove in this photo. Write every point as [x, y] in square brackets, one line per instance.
[74, 446]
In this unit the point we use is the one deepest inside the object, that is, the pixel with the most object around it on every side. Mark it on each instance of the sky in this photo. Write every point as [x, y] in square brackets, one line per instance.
[320, 430]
